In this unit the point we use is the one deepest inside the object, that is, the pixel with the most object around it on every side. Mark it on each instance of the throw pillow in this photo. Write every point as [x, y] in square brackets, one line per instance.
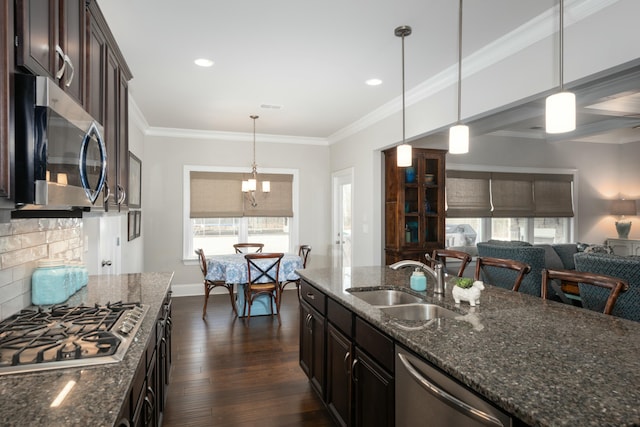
[598, 249]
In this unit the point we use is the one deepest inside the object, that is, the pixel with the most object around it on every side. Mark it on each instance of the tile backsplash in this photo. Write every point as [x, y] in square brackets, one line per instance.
[22, 243]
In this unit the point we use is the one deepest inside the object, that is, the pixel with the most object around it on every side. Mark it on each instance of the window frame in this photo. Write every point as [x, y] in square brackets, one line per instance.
[188, 254]
[485, 232]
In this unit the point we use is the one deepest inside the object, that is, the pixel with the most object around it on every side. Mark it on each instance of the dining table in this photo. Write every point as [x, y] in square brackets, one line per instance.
[232, 268]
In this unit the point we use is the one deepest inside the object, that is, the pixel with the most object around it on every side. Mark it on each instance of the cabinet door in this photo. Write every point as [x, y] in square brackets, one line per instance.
[339, 359]
[112, 84]
[123, 142]
[37, 31]
[312, 347]
[72, 40]
[6, 121]
[95, 69]
[374, 393]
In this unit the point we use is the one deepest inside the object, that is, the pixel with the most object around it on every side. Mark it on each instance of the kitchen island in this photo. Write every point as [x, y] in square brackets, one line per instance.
[545, 363]
[101, 392]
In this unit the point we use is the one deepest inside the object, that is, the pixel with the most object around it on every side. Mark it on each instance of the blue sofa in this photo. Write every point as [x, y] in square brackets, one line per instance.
[538, 256]
[623, 267]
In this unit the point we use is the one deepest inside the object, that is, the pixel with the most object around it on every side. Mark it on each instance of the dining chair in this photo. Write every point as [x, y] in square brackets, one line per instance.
[442, 255]
[614, 285]
[210, 284]
[303, 253]
[504, 273]
[262, 279]
[243, 248]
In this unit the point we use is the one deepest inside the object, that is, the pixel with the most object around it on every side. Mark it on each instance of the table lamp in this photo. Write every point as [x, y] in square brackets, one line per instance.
[622, 208]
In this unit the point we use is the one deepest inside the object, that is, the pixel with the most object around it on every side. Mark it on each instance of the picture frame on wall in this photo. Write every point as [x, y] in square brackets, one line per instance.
[138, 227]
[131, 225]
[135, 181]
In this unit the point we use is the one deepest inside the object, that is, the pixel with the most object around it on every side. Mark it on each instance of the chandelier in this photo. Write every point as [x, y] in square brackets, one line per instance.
[249, 186]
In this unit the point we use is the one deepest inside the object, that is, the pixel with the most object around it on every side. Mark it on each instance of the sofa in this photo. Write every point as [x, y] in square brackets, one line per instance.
[623, 267]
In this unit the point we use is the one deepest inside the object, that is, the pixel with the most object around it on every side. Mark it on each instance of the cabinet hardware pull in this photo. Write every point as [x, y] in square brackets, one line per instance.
[69, 79]
[483, 417]
[122, 193]
[346, 363]
[106, 196]
[60, 71]
[353, 370]
[311, 296]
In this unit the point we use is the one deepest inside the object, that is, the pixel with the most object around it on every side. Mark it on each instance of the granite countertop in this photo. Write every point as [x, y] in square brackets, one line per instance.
[100, 390]
[547, 363]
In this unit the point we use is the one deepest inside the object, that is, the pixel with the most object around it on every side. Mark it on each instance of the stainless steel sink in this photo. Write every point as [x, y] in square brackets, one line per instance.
[385, 297]
[418, 312]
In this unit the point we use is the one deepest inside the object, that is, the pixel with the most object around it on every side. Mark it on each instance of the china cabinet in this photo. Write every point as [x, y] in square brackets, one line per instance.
[414, 205]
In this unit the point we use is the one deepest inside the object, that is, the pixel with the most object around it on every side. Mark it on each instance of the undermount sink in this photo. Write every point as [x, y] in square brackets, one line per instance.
[385, 297]
[418, 312]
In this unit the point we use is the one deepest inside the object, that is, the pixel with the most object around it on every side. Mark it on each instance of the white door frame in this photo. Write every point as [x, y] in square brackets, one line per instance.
[339, 179]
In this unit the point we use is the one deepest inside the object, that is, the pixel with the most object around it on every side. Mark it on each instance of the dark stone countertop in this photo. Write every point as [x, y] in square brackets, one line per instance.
[100, 390]
[547, 363]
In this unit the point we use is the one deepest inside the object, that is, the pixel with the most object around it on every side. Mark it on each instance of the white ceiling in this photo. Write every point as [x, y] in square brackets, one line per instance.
[310, 58]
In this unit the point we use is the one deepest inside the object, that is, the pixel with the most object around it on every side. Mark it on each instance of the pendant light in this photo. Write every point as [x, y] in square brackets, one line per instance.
[459, 134]
[560, 114]
[249, 186]
[403, 151]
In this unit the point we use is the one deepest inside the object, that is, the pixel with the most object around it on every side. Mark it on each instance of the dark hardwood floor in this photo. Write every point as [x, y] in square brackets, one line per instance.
[227, 374]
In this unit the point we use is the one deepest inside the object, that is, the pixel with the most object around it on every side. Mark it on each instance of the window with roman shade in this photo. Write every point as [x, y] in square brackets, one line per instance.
[468, 194]
[219, 195]
[508, 195]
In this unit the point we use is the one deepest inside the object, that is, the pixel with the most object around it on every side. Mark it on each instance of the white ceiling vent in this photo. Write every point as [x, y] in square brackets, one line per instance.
[270, 107]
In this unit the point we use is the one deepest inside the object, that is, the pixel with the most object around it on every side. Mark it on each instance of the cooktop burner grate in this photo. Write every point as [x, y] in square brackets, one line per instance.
[62, 336]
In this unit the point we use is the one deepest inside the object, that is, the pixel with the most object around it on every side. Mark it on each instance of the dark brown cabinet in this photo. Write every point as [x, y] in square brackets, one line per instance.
[149, 387]
[414, 205]
[50, 41]
[107, 101]
[359, 361]
[312, 336]
[6, 110]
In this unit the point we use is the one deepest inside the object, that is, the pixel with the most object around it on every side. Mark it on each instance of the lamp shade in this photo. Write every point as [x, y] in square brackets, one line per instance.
[623, 207]
[459, 139]
[403, 154]
[560, 114]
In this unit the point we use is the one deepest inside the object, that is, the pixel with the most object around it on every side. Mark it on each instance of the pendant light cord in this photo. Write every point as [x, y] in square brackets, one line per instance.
[403, 113]
[254, 165]
[561, 41]
[460, 62]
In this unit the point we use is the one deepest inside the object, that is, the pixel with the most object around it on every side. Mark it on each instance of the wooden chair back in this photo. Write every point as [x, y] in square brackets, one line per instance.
[613, 284]
[303, 253]
[203, 261]
[259, 275]
[501, 272]
[243, 248]
[442, 255]
[210, 284]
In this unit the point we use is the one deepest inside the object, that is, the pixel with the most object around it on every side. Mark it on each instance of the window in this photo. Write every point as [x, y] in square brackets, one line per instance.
[217, 214]
[532, 207]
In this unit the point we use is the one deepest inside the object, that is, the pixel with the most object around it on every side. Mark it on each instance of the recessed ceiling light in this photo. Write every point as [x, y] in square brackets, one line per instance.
[203, 62]
[374, 82]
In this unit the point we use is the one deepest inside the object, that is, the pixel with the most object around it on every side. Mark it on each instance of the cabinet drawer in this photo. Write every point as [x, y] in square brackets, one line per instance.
[341, 317]
[375, 343]
[313, 297]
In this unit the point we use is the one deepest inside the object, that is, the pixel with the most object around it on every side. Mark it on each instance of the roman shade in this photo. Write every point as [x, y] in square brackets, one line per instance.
[508, 195]
[468, 194]
[219, 195]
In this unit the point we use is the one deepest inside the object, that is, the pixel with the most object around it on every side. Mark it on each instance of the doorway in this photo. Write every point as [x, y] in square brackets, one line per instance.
[342, 236]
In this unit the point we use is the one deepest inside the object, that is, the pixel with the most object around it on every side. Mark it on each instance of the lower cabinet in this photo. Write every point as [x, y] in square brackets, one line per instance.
[149, 388]
[312, 339]
[358, 363]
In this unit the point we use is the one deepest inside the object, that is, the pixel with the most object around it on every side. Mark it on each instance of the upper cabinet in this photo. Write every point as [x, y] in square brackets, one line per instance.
[6, 119]
[414, 205]
[50, 41]
[107, 100]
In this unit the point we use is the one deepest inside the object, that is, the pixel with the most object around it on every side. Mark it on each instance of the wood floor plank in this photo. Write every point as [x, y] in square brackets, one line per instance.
[227, 374]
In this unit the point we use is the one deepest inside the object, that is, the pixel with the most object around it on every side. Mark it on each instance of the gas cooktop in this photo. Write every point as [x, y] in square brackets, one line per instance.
[64, 336]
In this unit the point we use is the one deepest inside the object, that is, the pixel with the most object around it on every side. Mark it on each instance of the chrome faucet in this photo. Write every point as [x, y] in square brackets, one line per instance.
[437, 274]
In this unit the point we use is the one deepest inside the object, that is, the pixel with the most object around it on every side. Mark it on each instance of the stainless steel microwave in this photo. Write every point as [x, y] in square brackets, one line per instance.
[60, 155]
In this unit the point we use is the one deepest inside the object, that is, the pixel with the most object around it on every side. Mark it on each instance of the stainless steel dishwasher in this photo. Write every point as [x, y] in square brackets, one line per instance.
[427, 397]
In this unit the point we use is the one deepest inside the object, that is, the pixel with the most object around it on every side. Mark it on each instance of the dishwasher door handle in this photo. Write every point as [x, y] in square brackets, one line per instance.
[465, 408]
